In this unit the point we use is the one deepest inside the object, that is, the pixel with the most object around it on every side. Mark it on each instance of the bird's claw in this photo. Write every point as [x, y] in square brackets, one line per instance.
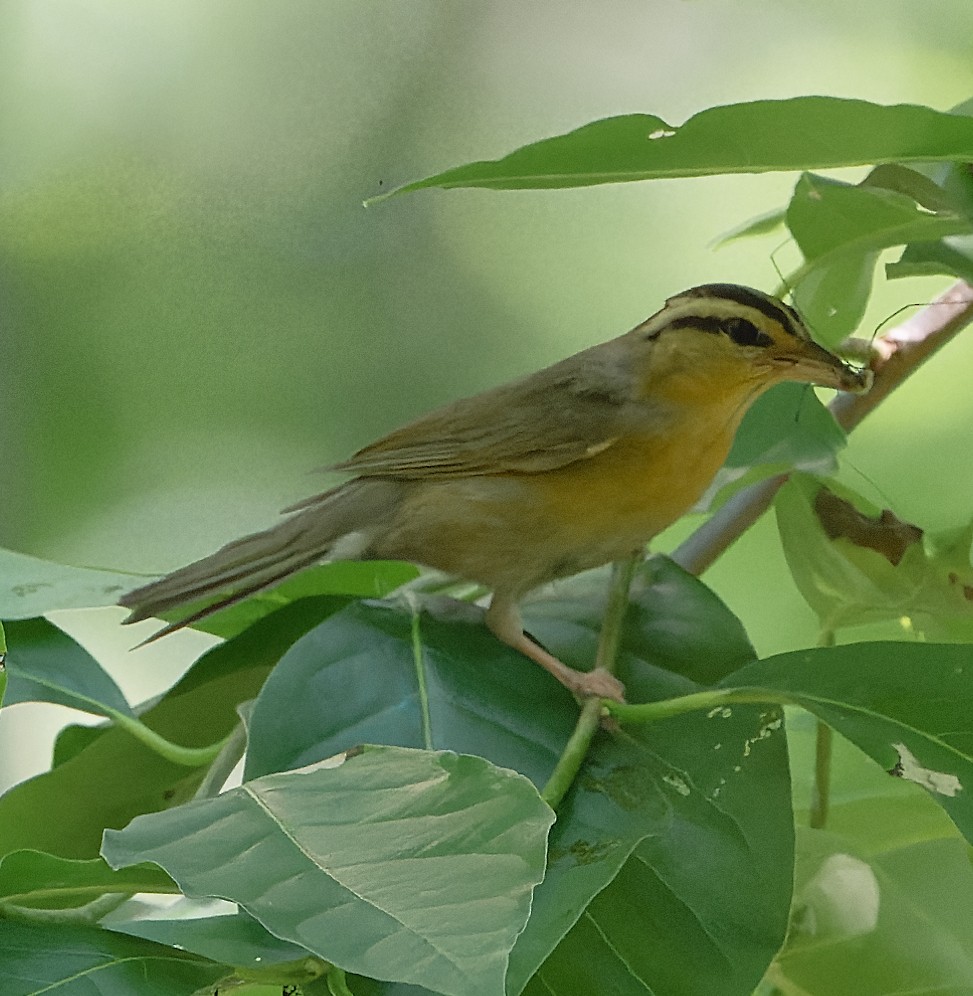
[599, 683]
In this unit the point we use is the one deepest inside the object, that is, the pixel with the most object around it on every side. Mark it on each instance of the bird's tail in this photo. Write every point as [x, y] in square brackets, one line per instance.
[261, 560]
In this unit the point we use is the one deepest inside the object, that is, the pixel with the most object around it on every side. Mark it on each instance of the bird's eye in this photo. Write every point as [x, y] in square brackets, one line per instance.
[745, 333]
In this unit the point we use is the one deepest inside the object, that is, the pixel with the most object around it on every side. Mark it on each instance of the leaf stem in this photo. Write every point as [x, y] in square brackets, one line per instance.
[824, 738]
[590, 718]
[573, 755]
[714, 698]
[90, 913]
[418, 660]
[821, 790]
[337, 984]
[189, 757]
[223, 764]
[610, 639]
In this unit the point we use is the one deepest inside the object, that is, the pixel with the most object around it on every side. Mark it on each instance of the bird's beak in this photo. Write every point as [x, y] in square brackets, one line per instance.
[811, 363]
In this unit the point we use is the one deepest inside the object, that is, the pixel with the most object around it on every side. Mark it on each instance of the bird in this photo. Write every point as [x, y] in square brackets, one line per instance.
[559, 471]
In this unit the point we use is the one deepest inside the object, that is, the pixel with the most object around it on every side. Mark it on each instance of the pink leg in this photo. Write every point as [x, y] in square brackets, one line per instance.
[503, 620]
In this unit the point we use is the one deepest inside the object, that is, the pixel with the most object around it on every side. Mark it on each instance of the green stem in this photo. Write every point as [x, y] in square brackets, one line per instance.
[609, 640]
[337, 984]
[228, 758]
[716, 698]
[573, 755]
[189, 757]
[90, 913]
[821, 787]
[821, 790]
[420, 665]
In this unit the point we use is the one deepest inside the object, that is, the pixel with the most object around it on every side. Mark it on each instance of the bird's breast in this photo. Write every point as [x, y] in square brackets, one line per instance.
[515, 531]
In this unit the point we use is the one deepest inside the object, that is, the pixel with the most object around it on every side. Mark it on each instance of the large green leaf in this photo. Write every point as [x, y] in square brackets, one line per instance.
[82, 961]
[795, 134]
[355, 678]
[359, 859]
[906, 705]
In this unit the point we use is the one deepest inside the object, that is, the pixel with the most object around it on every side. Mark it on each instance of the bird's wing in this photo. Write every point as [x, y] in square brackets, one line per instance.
[568, 412]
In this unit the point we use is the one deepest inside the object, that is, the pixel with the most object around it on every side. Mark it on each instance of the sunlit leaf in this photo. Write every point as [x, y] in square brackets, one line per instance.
[30, 586]
[356, 859]
[795, 134]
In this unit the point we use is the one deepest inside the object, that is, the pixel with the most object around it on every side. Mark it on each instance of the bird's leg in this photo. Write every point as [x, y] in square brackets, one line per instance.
[503, 620]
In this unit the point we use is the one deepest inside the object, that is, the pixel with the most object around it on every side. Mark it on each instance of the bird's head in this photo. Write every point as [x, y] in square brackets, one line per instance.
[724, 337]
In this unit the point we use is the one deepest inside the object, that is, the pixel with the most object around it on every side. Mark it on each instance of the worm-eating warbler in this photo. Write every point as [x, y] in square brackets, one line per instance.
[565, 469]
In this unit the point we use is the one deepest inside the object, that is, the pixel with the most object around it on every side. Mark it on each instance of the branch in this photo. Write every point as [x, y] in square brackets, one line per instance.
[896, 356]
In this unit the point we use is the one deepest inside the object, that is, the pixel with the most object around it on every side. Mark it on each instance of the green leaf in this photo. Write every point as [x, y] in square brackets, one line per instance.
[840, 229]
[356, 858]
[660, 925]
[855, 567]
[80, 961]
[878, 813]
[349, 578]
[30, 586]
[354, 679]
[787, 428]
[46, 665]
[952, 257]
[906, 705]
[483, 698]
[236, 939]
[796, 134]
[44, 881]
[868, 925]
[763, 224]
[114, 778]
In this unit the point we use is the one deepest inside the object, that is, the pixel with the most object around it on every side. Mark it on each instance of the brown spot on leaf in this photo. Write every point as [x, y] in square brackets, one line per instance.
[887, 535]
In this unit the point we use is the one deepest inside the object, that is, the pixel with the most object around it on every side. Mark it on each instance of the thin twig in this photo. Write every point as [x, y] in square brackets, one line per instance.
[897, 355]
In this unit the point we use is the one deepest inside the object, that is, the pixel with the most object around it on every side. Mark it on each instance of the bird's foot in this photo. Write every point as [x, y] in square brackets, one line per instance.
[597, 683]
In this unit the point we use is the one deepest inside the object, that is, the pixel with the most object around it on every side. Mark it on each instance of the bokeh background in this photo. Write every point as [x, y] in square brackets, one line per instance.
[196, 310]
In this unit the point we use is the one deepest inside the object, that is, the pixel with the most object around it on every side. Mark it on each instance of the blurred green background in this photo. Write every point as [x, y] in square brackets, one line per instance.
[195, 309]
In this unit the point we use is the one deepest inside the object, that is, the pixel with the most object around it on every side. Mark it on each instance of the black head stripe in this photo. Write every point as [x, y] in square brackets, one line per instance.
[774, 310]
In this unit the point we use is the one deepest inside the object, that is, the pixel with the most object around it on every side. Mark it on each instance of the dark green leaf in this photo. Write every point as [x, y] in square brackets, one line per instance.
[46, 665]
[482, 698]
[795, 134]
[356, 859]
[906, 705]
[81, 961]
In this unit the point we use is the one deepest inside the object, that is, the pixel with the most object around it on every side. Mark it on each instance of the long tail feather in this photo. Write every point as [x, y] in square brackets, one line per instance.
[263, 559]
